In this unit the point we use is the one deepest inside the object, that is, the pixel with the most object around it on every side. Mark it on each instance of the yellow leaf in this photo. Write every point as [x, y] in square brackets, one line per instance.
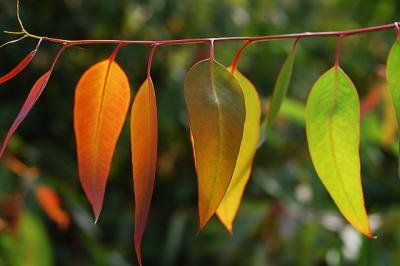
[251, 132]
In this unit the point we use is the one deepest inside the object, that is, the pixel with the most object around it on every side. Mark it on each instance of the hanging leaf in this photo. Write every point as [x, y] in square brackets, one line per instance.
[281, 88]
[333, 134]
[393, 78]
[144, 155]
[30, 101]
[102, 99]
[251, 132]
[24, 62]
[216, 109]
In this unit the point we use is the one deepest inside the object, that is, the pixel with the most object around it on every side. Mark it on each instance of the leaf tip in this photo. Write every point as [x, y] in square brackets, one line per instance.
[201, 227]
[96, 211]
[370, 235]
[229, 229]
[366, 231]
[227, 223]
[138, 253]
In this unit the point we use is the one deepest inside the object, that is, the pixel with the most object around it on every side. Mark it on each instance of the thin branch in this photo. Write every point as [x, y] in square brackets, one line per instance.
[13, 41]
[394, 25]
[225, 39]
[14, 32]
[19, 18]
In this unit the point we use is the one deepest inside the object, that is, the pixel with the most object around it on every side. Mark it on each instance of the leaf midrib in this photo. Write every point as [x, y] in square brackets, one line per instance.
[214, 180]
[335, 164]
[99, 125]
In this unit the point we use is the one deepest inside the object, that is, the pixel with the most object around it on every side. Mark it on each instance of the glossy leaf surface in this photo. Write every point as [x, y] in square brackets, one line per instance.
[333, 134]
[280, 88]
[144, 155]
[393, 78]
[102, 99]
[216, 109]
[230, 204]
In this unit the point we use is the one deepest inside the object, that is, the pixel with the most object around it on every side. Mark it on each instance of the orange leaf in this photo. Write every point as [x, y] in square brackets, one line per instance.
[50, 203]
[144, 155]
[102, 99]
[216, 109]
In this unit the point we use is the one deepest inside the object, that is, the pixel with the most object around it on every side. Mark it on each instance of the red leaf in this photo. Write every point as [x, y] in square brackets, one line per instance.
[102, 99]
[144, 155]
[33, 96]
[24, 62]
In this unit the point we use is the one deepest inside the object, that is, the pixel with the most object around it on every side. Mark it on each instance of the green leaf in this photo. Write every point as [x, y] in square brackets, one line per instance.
[393, 78]
[333, 134]
[30, 247]
[251, 133]
[281, 88]
[216, 109]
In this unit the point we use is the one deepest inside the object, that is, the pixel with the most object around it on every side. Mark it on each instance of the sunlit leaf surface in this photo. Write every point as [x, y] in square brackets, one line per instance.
[144, 155]
[102, 99]
[230, 204]
[333, 134]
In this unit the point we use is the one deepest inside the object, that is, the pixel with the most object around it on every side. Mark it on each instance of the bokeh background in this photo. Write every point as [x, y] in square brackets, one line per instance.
[286, 218]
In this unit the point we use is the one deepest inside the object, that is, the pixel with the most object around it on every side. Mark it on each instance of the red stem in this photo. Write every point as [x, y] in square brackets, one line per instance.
[237, 57]
[339, 44]
[65, 46]
[115, 52]
[211, 49]
[223, 39]
[397, 26]
[38, 44]
[295, 44]
[151, 60]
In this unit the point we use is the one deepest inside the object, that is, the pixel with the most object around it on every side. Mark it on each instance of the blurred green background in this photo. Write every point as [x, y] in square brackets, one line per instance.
[286, 218]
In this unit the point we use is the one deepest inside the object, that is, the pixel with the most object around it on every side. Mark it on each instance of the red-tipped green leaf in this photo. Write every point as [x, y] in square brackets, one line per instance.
[333, 134]
[216, 109]
[230, 204]
[33, 96]
[393, 78]
[21, 65]
[280, 89]
[102, 99]
[144, 155]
